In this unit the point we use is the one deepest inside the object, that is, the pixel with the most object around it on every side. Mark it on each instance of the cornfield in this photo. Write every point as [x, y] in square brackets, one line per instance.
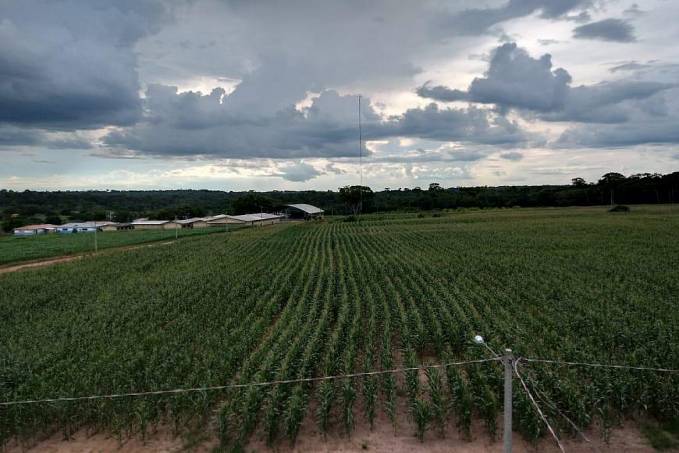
[318, 299]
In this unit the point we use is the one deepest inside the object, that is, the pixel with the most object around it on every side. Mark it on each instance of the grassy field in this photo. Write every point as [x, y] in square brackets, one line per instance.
[16, 249]
[314, 299]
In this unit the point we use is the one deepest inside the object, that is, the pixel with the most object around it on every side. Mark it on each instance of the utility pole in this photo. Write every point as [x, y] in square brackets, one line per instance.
[360, 159]
[508, 361]
[176, 231]
[96, 246]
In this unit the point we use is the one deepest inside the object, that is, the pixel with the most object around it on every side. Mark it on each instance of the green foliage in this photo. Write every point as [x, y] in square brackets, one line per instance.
[251, 202]
[16, 249]
[54, 219]
[126, 205]
[422, 415]
[10, 222]
[356, 198]
[436, 396]
[299, 301]
[660, 436]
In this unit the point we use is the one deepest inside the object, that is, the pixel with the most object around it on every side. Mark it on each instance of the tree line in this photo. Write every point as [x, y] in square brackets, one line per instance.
[19, 208]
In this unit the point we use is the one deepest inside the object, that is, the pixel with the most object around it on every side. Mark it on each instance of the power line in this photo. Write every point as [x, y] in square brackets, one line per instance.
[537, 407]
[545, 399]
[360, 155]
[601, 365]
[237, 386]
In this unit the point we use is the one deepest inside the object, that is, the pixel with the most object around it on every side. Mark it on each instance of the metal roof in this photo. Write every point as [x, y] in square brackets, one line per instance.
[150, 222]
[256, 217]
[42, 226]
[191, 220]
[215, 217]
[115, 224]
[309, 209]
[84, 224]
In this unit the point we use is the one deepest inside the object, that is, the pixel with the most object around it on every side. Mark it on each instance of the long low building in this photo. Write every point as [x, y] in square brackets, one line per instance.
[222, 219]
[195, 222]
[116, 227]
[261, 218]
[144, 224]
[82, 227]
[32, 230]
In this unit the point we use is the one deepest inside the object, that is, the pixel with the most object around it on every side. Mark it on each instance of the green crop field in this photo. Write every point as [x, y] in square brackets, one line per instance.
[16, 249]
[315, 299]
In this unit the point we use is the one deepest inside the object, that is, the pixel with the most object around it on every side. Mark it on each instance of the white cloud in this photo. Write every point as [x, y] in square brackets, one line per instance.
[271, 90]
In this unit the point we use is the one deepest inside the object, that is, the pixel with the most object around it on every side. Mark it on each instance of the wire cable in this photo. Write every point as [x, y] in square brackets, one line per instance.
[545, 399]
[237, 386]
[601, 365]
[537, 407]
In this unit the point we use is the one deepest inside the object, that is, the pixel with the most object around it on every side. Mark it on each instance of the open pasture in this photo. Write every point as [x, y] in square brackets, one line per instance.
[317, 299]
[18, 249]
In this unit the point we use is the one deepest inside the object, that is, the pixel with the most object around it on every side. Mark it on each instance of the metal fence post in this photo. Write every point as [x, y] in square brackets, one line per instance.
[508, 360]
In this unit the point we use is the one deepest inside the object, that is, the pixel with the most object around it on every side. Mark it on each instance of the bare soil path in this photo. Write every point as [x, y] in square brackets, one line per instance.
[14, 267]
[382, 438]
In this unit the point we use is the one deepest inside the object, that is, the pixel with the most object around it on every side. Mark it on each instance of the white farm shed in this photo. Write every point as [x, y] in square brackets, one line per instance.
[82, 227]
[222, 219]
[32, 230]
[260, 219]
[154, 225]
[303, 211]
[194, 222]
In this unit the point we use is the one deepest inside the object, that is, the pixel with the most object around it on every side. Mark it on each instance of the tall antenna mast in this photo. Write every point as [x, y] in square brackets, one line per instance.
[360, 154]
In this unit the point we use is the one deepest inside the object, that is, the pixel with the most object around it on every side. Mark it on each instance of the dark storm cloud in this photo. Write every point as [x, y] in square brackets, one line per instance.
[14, 136]
[478, 21]
[511, 155]
[656, 131]
[441, 93]
[634, 11]
[516, 80]
[70, 65]
[513, 79]
[470, 125]
[68, 143]
[653, 120]
[184, 124]
[629, 66]
[298, 172]
[607, 102]
[606, 30]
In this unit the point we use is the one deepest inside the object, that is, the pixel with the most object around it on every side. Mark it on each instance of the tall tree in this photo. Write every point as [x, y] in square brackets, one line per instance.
[355, 197]
[610, 182]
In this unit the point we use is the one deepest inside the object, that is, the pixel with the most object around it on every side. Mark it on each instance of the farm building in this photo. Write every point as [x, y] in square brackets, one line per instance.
[258, 219]
[32, 230]
[303, 211]
[195, 222]
[116, 227]
[223, 219]
[82, 227]
[144, 224]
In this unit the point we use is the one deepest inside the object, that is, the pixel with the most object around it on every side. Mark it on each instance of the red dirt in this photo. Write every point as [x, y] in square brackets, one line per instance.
[382, 439]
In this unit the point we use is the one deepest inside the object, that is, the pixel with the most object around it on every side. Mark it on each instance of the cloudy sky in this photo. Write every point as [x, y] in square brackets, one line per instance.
[233, 95]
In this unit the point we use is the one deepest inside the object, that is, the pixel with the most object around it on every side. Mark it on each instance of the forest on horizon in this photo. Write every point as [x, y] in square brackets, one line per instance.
[19, 208]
